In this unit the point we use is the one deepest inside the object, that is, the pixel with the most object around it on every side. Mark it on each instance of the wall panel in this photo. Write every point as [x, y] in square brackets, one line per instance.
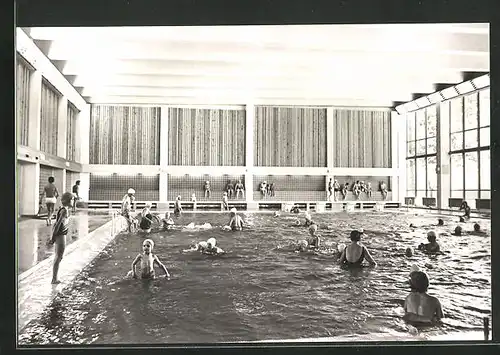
[71, 132]
[49, 119]
[291, 187]
[114, 187]
[206, 137]
[185, 186]
[124, 135]
[23, 74]
[285, 136]
[362, 139]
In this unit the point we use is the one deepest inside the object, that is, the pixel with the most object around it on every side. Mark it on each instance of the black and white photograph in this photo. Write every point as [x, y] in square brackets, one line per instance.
[252, 184]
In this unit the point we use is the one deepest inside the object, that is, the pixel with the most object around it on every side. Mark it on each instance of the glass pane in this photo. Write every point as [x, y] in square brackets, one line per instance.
[431, 177]
[410, 193]
[421, 147]
[457, 194]
[471, 114]
[431, 121]
[484, 107]
[410, 126]
[485, 169]
[456, 115]
[471, 139]
[431, 145]
[418, 198]
[456, 141]
[471, 171]
[421, 176]
[484, 139]
[470, 197]
[410, 149]
[456, 172]
[485, 194]
[410, 175]
[420, 124]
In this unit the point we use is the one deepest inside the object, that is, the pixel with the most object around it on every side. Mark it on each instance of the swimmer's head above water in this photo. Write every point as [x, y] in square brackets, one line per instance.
[477, 227]
[419, 281]
[355, 235]
[440, 222]
[409, 252]
[147, 246]
[431, 236]
[211, 243]
[458, 230]
[313, 229]
[131, 192]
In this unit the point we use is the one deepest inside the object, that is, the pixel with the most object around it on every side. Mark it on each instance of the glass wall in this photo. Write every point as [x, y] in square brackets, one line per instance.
[470, 146]
[421, 154]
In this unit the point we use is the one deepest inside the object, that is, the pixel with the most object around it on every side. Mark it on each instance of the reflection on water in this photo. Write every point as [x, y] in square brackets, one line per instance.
[261, 290]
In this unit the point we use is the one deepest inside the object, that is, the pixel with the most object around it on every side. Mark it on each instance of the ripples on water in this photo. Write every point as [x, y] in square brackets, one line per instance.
[262, 290]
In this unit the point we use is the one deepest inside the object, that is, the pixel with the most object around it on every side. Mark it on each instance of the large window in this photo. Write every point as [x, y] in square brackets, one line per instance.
[23, 73]
[470, 146]
[71, 131]
[421, 153]
[49, 118]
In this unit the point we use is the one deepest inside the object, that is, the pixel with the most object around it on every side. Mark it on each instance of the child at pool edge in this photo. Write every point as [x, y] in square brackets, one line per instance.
[420, 307]
[147, 260]
[59, 233]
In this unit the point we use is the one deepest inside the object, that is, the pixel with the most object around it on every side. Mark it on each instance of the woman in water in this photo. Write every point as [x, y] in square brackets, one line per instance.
[465, 206]
[355, 253]
[420, 307]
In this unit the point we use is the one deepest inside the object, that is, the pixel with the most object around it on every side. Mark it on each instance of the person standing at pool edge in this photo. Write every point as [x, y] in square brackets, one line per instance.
[59, 233]
[127, 207]
[51, 195]
[76, 192]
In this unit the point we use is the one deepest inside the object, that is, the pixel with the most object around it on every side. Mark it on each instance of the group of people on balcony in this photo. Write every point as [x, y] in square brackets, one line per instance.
[334, 188]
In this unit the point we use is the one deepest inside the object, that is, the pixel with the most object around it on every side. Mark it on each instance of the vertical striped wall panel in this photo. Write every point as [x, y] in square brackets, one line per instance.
[362, 139]
[206, 137]
[70, 181]
[124, 135]
[49, 118]
[286, 136]
[22, 101]
[71, 132]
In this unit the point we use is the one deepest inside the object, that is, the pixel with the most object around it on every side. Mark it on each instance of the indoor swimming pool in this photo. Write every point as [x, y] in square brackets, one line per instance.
[262, 290]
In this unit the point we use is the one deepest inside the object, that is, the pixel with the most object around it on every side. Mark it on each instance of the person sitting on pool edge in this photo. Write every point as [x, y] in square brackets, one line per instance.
[354, 254]
[208, 247]
[420, 307]
[236, 222]
[432, 247]
[147, 260]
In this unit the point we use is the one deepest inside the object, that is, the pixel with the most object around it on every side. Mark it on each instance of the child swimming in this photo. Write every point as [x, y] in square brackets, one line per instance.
[420, 307]
[147, 260]
[59, 233]
[354, 254]
[208, 247]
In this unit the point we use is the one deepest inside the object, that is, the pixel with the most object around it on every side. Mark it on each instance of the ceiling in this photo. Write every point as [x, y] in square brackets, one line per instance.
[341, 65]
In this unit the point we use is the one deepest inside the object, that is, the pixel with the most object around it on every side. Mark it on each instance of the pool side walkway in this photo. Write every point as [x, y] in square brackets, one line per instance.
[35, 292]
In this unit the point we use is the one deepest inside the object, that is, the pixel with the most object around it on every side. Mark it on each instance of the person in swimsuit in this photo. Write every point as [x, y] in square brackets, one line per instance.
[344, 190]
[315, 240]
[355, 253]
[76, 192]
[147, 218]
[308, 220]
[59, 233]
[271, 190]
[263, 188]
[329, 189]
[295, 209]
[336, 189]
[369, 190]
[235, 223]
[432, 247]
[230, 189]
[126, 208]
[206, 188]
[147, 260]
[240, 189]
[178, 206]
[465, 206]
[420, 307]
[225, 203]
[168, 222]
[51, 194]
[383, 189]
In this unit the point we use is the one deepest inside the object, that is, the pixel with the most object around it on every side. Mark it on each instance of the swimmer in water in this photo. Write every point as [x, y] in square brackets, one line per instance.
[440, 223]
[147, 260]
[420, 307]
[168, 222]
[457, 231]
[354, 254]
[277, 214]
[315, 240]
[432, 247]
[302, 246]
[235, 223]
[465, 206]
[126, 208]
[178, 206]
[59, 233]
[146, 219]
[208, 247]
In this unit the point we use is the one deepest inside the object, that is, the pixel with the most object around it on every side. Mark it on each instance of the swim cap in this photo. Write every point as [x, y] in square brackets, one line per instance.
[361, 230]
[303, 243]
[150, 242]
[477, 227]
[458, 230]
[414, 268]
[419, 281]
[212, 241]
[313, 227]
[131, 191]
[233, 210]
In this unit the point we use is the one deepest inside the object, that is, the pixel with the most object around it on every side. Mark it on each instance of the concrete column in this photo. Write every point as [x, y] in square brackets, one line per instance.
[62, 126]
[443, 160]
[83, 136]
[164, 138]
[249, 146]
[28, 194]
[34, 110]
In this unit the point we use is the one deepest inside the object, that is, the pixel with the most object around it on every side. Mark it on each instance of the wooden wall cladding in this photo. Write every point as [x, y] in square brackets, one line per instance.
[362, 139]
[49, 116]
[290, 136]
[22, 101]
[114, 187]
[206, 137]
[124, 135]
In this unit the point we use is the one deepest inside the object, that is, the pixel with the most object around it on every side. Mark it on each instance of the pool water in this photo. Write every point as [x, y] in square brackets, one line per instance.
[262, 290]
